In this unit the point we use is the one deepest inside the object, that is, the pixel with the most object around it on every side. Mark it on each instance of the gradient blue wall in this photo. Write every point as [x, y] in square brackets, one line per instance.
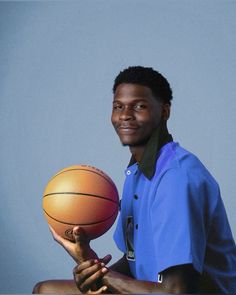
[57, 65]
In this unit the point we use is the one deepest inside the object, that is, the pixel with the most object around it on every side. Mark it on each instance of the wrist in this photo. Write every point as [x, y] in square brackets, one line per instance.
[109, 280]
[116, 282]
[106, 277]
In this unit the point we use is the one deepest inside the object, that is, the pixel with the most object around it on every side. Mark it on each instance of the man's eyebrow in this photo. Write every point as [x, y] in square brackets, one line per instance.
[141, 99]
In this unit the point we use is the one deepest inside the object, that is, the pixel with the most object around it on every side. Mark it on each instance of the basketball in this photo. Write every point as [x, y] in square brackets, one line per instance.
[81, 195]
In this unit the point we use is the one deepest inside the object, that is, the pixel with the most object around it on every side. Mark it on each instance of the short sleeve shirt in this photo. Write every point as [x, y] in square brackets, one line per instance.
[176, 217]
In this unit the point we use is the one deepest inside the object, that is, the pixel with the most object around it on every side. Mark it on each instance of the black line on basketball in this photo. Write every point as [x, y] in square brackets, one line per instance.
[83, 194]
[82, 224]
[107, 178]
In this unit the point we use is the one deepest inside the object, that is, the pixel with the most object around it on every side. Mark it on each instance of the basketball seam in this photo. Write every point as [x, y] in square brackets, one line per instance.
[105, 177]
[81, 224]
[83, 194]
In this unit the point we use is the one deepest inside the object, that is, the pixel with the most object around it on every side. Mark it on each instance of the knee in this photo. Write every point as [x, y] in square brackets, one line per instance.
[56, 287]
[42, 288]
[37, 287]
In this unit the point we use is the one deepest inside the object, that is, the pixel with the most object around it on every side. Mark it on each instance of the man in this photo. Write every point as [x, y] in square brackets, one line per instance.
[172, 228]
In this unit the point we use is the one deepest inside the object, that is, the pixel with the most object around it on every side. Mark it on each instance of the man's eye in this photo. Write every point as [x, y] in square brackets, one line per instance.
[139, 107]
[117, 107]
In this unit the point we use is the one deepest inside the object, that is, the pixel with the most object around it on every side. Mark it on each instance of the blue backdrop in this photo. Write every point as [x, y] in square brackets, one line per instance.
[58, 60]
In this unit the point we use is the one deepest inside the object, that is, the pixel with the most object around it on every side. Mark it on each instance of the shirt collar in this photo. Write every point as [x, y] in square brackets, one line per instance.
[158, 139]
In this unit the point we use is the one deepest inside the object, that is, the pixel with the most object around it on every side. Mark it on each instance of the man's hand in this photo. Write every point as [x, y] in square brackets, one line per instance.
[90, 273]
[80, 249]
[91, 269]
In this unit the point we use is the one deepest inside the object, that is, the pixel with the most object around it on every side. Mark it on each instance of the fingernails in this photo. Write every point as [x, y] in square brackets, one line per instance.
[76, 230]
[107, 257]
[104, 288]
[104, 269]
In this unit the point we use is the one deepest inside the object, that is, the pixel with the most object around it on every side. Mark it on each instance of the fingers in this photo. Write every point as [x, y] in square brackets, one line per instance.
[79, 250]
[86, 285]
[78, 232]
[88, 268]
[80, 236]
[90, 262]
[72, 248]
[99, 291]
[57, 237]
[63, 242]
[54, 234]
[106, 259]
[88, 273]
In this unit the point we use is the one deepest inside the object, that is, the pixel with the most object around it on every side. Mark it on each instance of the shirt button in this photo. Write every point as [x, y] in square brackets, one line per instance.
[136, 226]
[136, 197]
[128, 172]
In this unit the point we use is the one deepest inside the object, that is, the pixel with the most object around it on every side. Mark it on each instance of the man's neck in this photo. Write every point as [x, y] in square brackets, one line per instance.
[137, 152]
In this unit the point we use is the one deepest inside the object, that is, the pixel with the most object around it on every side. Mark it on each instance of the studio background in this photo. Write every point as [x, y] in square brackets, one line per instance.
[58, 60]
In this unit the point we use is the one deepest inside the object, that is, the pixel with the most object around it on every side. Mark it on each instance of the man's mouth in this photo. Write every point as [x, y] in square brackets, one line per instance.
[127, 126]
[127, 129]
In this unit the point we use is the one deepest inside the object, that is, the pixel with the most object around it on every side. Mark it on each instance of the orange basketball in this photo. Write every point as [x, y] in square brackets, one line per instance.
[81, 195]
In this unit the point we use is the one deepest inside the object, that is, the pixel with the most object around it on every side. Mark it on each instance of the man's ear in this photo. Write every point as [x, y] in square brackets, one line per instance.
[165, 111]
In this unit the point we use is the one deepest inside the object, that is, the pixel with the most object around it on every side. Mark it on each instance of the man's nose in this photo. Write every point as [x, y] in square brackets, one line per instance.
[127, 114]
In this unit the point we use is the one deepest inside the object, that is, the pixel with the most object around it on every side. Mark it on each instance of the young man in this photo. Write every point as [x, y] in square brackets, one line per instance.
[172, 228]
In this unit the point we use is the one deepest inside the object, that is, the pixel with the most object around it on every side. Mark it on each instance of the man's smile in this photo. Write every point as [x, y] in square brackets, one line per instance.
[127, 129]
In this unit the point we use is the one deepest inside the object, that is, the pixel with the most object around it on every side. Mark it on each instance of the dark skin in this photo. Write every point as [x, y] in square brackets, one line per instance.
[136, 113]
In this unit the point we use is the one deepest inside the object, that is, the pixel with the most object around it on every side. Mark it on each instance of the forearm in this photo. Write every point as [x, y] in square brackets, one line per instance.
[122, 284]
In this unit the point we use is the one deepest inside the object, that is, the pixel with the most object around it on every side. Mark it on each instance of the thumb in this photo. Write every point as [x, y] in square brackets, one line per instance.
[99, 291]
[80, 236]
[106, 259]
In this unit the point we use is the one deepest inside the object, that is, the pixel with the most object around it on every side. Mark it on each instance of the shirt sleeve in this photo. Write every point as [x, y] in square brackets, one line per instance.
[177, 220]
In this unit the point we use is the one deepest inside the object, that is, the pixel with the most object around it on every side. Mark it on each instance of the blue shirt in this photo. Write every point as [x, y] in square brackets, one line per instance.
[176, 217]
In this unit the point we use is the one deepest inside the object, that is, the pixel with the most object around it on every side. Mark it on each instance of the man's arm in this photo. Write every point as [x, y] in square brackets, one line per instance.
[92, 271]
[117, 278]
[178, 279]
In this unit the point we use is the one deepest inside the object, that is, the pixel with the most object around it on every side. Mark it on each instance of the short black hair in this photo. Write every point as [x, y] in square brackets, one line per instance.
[147, 77]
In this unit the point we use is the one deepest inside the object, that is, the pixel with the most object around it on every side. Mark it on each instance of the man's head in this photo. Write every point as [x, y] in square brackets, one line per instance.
[142, 99]
[147, 77]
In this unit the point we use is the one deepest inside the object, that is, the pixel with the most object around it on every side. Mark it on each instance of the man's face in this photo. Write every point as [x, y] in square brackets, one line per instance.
[136, 113]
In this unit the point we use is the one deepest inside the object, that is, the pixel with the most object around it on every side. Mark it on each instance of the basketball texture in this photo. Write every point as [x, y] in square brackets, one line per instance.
[81, 195]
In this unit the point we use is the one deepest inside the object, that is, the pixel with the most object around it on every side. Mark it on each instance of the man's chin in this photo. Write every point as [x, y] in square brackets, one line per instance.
[134, 144]
[125, 144]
